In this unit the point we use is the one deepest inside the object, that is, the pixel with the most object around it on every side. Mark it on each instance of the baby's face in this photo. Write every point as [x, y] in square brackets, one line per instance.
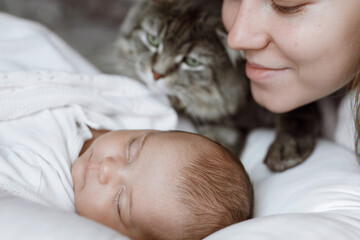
[126, 180]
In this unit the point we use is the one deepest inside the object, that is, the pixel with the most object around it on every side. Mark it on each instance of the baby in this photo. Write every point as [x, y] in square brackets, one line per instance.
[150, 184]
[146, 184]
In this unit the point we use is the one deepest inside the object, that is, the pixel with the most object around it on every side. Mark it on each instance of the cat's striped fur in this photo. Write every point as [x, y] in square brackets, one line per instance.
[180, 50]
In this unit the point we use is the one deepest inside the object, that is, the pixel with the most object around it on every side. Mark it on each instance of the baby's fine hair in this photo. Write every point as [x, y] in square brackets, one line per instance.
[215, 189]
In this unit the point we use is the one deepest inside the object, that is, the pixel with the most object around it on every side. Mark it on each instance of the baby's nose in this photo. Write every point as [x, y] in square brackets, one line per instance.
[107, 169]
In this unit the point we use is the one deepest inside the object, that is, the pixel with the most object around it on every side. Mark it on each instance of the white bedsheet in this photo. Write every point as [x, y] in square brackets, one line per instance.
[317, 200]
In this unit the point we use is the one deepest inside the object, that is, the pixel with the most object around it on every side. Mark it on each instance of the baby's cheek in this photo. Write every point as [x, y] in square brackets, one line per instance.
[88, 207]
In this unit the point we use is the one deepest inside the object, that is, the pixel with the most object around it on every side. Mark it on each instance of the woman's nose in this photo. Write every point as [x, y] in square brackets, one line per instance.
[248, 29]
[108, 169]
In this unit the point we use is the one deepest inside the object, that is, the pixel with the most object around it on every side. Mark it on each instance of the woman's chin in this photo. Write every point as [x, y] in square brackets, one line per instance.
[275, 104]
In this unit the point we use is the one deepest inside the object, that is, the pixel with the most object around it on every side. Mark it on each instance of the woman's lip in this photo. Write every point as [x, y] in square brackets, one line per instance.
[255, 65]
[258, 73]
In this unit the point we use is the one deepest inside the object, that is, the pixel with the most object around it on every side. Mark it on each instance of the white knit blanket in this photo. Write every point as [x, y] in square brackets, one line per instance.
[117, 102]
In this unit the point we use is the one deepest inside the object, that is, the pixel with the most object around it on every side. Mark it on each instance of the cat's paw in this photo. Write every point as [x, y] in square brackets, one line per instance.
[288, 151]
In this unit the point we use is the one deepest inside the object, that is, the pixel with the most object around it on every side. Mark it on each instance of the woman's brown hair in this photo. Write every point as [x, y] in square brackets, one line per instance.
[355, 86]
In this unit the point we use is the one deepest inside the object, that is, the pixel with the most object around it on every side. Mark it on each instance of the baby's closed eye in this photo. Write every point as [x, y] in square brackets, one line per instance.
[128, 148]
[116, 203]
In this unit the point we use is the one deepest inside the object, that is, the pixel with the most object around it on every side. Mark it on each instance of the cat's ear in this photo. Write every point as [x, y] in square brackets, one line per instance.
[234, 56]
[130, 20]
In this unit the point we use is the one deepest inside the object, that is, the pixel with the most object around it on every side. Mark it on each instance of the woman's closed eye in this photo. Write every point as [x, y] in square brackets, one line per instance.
[287, 9]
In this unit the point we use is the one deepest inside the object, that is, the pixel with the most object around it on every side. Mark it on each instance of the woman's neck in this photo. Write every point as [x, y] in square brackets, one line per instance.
[96, 134]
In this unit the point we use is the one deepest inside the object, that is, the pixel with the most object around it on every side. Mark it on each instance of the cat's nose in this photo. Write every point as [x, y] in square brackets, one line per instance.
[157, 76]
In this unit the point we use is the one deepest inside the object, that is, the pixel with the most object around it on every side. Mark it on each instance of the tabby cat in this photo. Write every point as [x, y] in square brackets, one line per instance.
[178, 48]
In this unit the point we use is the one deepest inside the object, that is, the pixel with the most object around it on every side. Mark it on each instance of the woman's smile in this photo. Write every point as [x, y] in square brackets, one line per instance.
[259, 73]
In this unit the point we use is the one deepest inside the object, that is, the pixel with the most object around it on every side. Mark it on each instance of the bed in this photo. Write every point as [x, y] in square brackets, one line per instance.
[319, 199]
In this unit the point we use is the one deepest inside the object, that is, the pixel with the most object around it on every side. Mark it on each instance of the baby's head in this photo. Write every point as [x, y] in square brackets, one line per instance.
[161, 185]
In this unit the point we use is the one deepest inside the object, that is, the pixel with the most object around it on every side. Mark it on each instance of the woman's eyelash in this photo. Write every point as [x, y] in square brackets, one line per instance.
[287, 10]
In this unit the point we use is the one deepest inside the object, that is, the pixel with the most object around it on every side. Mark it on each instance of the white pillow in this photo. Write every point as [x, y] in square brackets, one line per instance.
[319, 199]
[295, 226]
[21, 219]
[328, 180]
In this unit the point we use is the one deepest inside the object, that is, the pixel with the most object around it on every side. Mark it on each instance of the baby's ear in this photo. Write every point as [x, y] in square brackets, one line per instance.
[235, 56]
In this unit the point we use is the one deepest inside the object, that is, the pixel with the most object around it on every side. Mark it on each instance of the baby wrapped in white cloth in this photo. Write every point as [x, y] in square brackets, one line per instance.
[146, 184]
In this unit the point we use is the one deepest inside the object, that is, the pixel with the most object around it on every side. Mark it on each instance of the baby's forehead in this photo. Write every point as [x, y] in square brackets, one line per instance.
[185, 146]
[186, 137]
[189, 141]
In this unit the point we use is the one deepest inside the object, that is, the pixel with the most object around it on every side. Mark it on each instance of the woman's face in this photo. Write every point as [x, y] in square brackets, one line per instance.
[297, 51]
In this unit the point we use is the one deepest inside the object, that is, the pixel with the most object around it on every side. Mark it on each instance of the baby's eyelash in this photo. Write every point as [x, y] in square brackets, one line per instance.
[127, 148]
[116, 203]
[116, 207]
[287, 10]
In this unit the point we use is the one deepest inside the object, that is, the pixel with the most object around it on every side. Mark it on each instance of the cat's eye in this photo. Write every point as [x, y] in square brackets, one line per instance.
[192, 62]
[153, 40]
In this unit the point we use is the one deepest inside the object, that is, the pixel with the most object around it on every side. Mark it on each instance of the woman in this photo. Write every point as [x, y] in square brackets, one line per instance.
[297, 51]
